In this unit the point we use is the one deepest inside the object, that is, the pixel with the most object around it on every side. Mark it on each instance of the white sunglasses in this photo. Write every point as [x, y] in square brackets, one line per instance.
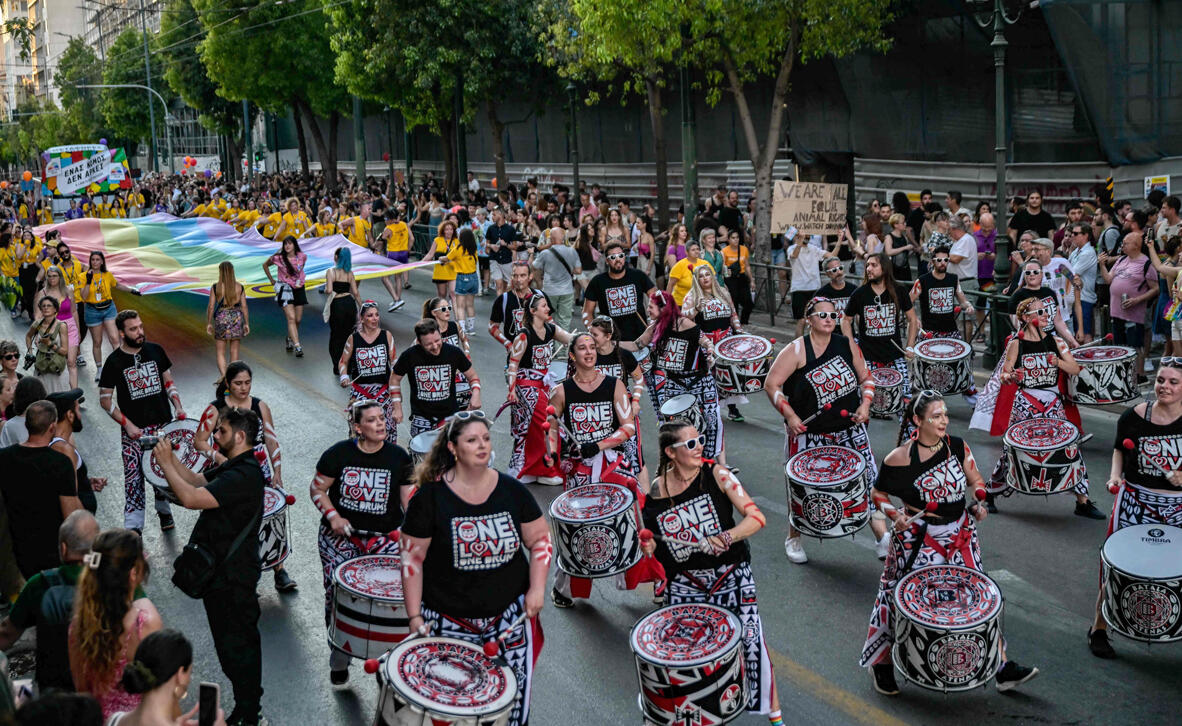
[691, 444]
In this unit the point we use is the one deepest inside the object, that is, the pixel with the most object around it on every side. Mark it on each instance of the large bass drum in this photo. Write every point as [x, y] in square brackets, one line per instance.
[273, 541]
[1107, 374]
[444, 682]
[943, 365]
[1142, 574]
[828, 491]
[368, 614]
[182, 434]
[595, 530]
[1044, 456]
[741, 364]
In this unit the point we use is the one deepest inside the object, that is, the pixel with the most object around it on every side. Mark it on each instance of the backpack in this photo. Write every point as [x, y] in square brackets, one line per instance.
[53, 629]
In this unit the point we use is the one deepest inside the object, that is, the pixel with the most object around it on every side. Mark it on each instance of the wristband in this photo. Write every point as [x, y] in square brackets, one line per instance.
[396, 397]
[344, 378]
[727, 538]
[122, 420]
[330, 514]
[475, 385]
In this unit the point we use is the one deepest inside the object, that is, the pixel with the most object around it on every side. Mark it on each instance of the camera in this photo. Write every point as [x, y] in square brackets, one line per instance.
[30, 359]
[147, 443]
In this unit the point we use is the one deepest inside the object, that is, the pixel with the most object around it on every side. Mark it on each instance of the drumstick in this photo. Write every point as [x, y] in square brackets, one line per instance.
[819, 411]
[372, 665]
[1097, 341]
[898, 347]
[492, 647]
[501, 410]
[551, 411]
[929, 507]
[843, 413]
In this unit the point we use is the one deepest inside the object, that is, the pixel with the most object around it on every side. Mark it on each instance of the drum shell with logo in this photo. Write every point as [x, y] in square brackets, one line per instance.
[421, 444]
[409, 696]
[1044, 456]
[1108, 374]
[689, 661]
[888, 392]
[644, 359]
[596, 532]
[1141, 568]
[683, 407]
[274, 544]
[741, 364]
[368, 615]
[828, 491]
[947, 628]
[944, 365]
[182, 434]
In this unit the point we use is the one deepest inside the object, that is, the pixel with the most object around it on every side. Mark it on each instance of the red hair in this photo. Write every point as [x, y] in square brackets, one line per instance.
[667, 317]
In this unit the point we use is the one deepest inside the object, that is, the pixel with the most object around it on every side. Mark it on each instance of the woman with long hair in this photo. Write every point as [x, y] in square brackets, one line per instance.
[462, 259]
[27, 254]
[453, 583]
[100, 312]
[617, 230]
[48, 340]
[587, 248]
[675, 250]
[55, 286]
[645, 246]
[530, 355]
[709, 304]
[613, 360]
[898, 247]
[366, 366]
[439, 310]
[160, 674]
[342, 308]
[290, 292]
[444, 274]
[872, 226]
[111, 616]
[713, 564]
[227, 318]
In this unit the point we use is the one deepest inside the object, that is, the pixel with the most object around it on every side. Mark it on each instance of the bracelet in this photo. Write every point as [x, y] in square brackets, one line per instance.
[122, 419]
[727, 538]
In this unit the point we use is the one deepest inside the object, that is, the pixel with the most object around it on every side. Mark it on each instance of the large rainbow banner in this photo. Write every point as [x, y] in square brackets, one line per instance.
[163, 253]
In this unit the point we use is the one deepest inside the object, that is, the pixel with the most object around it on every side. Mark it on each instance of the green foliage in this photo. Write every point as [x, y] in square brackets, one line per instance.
[79, 65]
[186, 73]
[22, 32]
[126, 109]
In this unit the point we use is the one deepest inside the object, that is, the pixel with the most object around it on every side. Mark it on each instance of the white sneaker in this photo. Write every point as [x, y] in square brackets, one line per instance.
[795, 550]
[1148, 367]
[882, 546]
[550, 481]
[395, 305]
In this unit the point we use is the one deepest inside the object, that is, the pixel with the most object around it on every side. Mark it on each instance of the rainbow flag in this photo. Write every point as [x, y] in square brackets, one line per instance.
[163, 253]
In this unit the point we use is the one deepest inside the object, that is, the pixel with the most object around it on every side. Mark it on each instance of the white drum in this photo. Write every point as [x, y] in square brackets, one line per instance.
[368, 615]
[1107, 375]
[828, 491]
[683, 407]
[1142, 573]
[444, 682]
[421, 444]
[182, 434]
[644, 359]
[273, 541]
[943, 364]
[596, 532]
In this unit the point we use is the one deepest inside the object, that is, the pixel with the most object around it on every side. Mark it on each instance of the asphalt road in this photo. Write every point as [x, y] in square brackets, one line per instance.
[814, 615]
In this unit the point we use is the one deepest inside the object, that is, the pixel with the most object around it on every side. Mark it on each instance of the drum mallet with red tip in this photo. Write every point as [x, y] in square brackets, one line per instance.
[929, 507]
[492, 648]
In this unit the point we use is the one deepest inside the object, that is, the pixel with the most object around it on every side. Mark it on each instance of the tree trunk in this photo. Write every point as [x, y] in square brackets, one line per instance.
[447, 135]
[660, 152]
[233, 168]
[498, 134]
[301, 141]
[334, 128]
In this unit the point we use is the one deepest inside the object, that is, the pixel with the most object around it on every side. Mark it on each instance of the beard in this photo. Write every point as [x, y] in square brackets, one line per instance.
[136, 342]
[77, 426]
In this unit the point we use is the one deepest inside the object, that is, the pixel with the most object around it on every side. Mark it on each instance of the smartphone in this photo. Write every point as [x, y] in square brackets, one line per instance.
[208, 697]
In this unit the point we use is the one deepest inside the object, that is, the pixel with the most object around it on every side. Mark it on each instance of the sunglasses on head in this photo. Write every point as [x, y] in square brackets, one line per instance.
[691, 444]
[368, 304]
[827, 315]
[1170, 361]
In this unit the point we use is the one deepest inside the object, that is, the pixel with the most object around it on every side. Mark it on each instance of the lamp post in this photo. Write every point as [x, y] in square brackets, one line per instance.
[167, 117]
[574, 137]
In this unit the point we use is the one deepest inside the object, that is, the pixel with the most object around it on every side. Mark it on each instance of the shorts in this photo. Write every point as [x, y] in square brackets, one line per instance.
[779, 257]
[484, 263]
[299, 297]
[402, 256]
[467, 283]
[95, 315]
[502, 271]
[1125, 332]
[800, 298]
[1087, 310]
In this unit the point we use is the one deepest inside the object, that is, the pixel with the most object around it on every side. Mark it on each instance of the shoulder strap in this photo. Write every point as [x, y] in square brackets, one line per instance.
[561, 261]
[242, 535]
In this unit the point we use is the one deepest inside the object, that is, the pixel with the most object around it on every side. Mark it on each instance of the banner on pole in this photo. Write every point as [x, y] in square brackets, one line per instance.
[811, 207]
[67, 170]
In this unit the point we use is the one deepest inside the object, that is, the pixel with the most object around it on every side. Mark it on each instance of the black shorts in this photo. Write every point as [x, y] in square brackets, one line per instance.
[299, 296]
[483, 263]
[800, 298]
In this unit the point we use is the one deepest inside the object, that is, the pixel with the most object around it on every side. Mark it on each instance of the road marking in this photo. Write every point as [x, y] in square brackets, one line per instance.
[813, 683]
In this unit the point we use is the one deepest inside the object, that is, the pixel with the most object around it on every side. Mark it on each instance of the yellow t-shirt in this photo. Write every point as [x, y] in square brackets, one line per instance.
[298, 224]
[135, 199]
[325, 230]
[462, 263]
[229, 213]
[118, 211]
[271, 225]
[46, 215]
[33, 254]
[75, 275]
[246, 218]
[214, 209]
[683, 275]
[399, 239]
[443, 251]
[23, 214]
[357, 232]
[7, 264]
[101, 287]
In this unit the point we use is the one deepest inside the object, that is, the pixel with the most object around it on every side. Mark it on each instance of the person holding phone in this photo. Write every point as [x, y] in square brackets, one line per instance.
[162, 672]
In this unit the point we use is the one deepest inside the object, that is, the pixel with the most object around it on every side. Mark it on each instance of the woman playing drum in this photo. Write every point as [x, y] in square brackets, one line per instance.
[613, 360]
[1146, 493]
[710, 306]
[1033, 385]
[529, 363]
[464, 570]
[438, 309]
[369, 358]
[933, 475]
[233, 391]
[818, 376]
[691, 508]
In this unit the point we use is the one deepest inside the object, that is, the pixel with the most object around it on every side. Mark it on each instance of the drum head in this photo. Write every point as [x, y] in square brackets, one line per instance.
[1102, 353]
[557, 370]
[182, 435]
[274, 502]
[422, 443]
[1147, 551]
[825, 466]
[948, 596]
[376, 577]
[591, 502]
[1042, 434]
[685, 635]
[449, 677]
[886, 377]
[944, 349]
[742, 348]
[678, 404]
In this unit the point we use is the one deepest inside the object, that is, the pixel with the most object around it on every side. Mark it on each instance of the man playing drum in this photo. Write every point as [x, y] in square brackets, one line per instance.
[432, 366]
[361, 488]
[619, 293]
[817, 377]
[938, 293]
[932, 475]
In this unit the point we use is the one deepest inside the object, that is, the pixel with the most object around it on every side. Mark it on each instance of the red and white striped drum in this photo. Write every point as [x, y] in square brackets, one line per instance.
[1142, 573]
[741, 364]
[368, 614]
[828, 491]
[444, 682]
[182, 434]
[943, 364]
[947, 625]
[596, 530]
[273, 544]
[888, 392]
[1107, 375]
[1044, 456]
[689, 659]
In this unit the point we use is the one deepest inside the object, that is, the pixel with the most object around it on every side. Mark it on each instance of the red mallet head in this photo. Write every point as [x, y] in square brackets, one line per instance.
[956, 310]
[827, 406]
[845, 413]
[290, 499]
[1113, 487]
[645, 535]
[550, 410]
[1108, 338]
[1128, 444]
[772, 341]
[931, 506]
[491, 649]
[372, 665]
[545, 425]
[980, 494]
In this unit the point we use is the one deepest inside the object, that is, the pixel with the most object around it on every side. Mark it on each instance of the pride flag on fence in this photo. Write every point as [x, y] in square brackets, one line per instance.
[163, 253]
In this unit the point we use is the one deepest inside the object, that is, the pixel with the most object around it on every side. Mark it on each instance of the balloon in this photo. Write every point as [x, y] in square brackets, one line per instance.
[27, 176]
[218, 175]
[208, 173]
[386, 156]
[103, 142]
[3, 185]
[494, 182]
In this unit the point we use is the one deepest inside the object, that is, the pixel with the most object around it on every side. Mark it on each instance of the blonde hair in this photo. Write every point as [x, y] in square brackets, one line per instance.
[697, 294]
[63, 289]
[227, 284]
[895, 218]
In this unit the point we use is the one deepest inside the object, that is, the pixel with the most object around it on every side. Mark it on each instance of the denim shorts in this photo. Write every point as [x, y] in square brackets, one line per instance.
[467, 283]
[95, 316]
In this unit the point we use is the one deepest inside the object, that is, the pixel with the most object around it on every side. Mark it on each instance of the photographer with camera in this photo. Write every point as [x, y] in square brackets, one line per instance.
[140, 376]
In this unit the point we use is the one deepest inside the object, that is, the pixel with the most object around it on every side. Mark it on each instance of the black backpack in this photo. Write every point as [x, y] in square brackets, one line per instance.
[53, 628]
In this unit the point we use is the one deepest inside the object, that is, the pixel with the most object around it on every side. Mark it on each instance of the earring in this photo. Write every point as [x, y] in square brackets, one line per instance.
[183, 693]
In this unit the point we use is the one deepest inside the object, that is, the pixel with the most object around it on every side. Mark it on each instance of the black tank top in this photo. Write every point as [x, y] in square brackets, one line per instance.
[340, 286]
[1038, 360]
[828, 378]
[940, 479]
[701, 511]
[452, 334]
[679, 353]
[538, 351]
[219, 405]
[591, 417]
[609, 364]
[713, 315]
[371, 362]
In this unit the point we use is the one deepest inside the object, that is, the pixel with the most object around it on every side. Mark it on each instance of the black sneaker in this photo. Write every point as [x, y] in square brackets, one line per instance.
[339, 678]
[290, 345]
[283, 581]
[990, 504]
[167, 523]
[560, 600]
[733, 414]
[1088, 509]
[249, 720]
[883, 676]
[299, 351]
[1099, 645]
[1013, 675]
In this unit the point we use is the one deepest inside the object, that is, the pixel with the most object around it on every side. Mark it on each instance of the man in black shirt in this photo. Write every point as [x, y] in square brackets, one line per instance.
[837, 289]
[230, 499]
[432, 366]
[39, 491]
[916, 217]
[729, 215]
[1033, 217]
[938, 292]
[877, 308]
[505, 319]
[620, 293]
[135, 388]
[502, 244]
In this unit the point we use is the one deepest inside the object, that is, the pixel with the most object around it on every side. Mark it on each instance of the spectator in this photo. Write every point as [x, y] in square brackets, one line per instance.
[60, 709]
[915, 216]
[964, 262]
[806, 277]
[558, 270]
[681, 274]
[955, 209]
[111, 617]
[1082, 259]
[7, 394]
[986, 237]
[1108, 233]
[1058, 276]
[1170, 223]
[1063, 235]
[161, 672]
[39, 491]
[10, 358]
[47, 603]
[1132, 283]
[898, 246]
[735, 256]
[1033, 217]
[69, 422]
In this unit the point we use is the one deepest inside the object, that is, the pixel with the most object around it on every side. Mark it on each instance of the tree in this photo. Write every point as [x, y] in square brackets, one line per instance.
[126, 109]
[79, 65]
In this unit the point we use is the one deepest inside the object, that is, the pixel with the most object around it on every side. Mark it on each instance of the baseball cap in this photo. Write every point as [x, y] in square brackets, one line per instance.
[64, 400]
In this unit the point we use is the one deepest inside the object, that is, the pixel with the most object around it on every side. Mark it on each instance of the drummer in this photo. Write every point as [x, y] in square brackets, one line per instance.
[1146, 495]
[529, 363]
[933, 467]
[1033, 385]
[709, 304]
[439, 310]
[361, 488]
[433, 367]
[613, 360]
[837, 288]
[233, 391]
[938, 291]
[822, 368]
[716, 569]
[619, 293]
[369, 358]
[465, 573]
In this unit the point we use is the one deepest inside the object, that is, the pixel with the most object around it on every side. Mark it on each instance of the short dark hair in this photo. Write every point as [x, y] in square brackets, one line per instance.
[123, 316]
[955, 195]
[941, 249]
[40, 416]
[426, 326]
[241, 419]
[613, 245]
[1074, 204]
[1172, 202]
[925, 191]
[28, 390]
[58, 707]
[1110, 211]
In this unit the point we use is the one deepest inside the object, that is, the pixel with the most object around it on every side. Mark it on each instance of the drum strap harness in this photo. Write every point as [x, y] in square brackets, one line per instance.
[923, 539]
[717, 583]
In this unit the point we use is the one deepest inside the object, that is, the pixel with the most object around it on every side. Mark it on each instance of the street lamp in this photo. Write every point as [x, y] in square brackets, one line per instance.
[574, 136]
[167, 117]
